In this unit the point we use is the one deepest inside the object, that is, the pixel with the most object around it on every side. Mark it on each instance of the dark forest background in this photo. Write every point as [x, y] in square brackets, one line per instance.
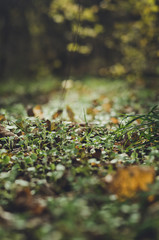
[118, 39]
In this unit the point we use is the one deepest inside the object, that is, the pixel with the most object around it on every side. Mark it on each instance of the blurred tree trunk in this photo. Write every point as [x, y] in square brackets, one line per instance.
[4, 32]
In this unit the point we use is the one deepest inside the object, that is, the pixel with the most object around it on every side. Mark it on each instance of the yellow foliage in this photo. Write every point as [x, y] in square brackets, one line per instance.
[37, 110]
[128, 180]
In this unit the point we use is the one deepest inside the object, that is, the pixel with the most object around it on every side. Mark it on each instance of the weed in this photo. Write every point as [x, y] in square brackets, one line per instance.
[58, 176]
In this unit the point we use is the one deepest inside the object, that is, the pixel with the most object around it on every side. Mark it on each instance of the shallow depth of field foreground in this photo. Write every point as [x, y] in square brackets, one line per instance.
[85, 167]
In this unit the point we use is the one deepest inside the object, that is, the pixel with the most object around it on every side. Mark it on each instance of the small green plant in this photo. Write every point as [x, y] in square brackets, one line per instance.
[56, 174]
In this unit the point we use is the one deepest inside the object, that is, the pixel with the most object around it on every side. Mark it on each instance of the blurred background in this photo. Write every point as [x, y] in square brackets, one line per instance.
[116, 39]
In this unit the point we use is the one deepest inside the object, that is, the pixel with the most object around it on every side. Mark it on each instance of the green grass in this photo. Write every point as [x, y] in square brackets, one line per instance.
[52, 171]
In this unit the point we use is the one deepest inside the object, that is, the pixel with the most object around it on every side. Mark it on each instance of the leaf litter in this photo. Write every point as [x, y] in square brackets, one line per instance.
[57, 163]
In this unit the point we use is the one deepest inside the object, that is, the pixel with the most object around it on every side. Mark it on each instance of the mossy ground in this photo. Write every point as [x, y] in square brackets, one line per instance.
[53, 167]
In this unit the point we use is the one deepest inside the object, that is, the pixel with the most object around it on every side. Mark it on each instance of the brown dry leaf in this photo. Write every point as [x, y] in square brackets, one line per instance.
[114, 120]
[57, 114]
[128, 180]
[6, 133]
[70, 113]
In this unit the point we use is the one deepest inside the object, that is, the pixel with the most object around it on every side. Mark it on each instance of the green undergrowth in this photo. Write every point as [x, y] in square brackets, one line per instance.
[53, 170]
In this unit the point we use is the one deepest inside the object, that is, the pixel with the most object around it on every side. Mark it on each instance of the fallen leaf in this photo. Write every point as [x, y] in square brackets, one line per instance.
[37, 110]
[114, 120]
[6, 133]
[70, 113]
[128, 180]
[2, 118]
[57, 114]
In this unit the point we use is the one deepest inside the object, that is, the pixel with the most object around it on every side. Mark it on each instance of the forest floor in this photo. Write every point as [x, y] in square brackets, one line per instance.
[85, 167]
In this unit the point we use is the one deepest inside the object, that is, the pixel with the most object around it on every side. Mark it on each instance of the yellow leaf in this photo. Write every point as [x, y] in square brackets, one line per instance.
[37, 110]
[128, 180]
[70, 113]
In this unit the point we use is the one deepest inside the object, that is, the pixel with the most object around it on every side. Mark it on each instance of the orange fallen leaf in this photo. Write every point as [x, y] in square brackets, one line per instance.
[128, 180]
[57, 114]
[70, 113]
[114, 120]
[2, 118]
